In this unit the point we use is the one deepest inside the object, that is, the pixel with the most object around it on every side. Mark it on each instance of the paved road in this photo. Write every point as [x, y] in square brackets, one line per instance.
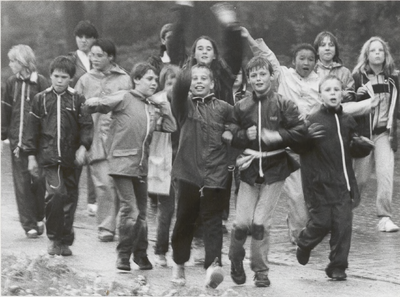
[374, 261]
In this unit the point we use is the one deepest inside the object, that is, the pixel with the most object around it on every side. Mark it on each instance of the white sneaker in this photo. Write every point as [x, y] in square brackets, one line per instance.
[160, 260]
[214, 275]
[92, 209]
[386, 225]
[32, 233]
[178, 274]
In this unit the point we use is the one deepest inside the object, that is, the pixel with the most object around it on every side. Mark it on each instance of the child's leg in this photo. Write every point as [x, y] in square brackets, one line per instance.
[188, 198]
[39, 192]
[342, 217]
[165, 211]
[211, 207]
[262, 221]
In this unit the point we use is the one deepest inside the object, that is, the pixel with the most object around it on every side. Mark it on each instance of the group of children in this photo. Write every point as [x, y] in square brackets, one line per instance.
[294, 130]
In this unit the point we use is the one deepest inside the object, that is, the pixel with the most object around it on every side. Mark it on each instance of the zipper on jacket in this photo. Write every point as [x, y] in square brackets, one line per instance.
[342, 151]
[260, 170]
[147, 133]
[21, 120]
[59, 124]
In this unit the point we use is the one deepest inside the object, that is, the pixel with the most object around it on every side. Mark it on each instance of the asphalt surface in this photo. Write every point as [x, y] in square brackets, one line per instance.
[374, 260]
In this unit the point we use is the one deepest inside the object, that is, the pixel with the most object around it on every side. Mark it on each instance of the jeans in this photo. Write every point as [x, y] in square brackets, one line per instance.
[337, 219]
[132, 195]
[91, 196]
[255, 208]
[194, 201]
[29, 192]
[165, 211]
[106, 196]
[61, 202]
[383, 157]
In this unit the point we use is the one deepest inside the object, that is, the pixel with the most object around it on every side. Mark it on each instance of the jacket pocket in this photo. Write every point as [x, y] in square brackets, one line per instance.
[125, 152]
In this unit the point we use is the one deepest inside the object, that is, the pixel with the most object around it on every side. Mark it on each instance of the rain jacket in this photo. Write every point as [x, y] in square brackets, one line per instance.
[274, 113]
[202, 157]
[16, 104]
[326, 163]
[97, 84]
[57, 127]
[133, 120]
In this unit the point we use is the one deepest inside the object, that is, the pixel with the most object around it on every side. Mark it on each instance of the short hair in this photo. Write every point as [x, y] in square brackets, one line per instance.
[320, 37]
[106, 46]
[24, 55]
[165, 29]
[168, 70]
[303, 46]
[258, 62]
[329, 77]
[203, 66]
[140, 69]
[64, 64]
[86, 28]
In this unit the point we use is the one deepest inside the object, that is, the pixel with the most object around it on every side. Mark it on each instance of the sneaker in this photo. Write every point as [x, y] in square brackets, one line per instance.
[123, 264]
[237, 272]
[214, 276]
[143, 263]
[92, 209]
[32, 233]
[105, 236]
[302, 255]
[40, 226]
[386, 225]
[54, 248]
[65, 250]
[261, 279]
[161, 260]
[178, 274]
[337, 274]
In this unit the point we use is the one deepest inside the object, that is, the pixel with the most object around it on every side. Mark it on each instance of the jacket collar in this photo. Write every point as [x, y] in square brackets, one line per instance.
[263, 97]
[331, 110]
[333, 65]
[115, 69]
[33, 78]
[204, 99]
[139, 96]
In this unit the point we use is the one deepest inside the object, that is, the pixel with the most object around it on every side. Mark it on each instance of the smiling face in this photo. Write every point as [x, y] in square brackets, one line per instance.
[204, 52]
[100, 59]
[331, 93]
[146, 85]
[376, 53]
[260, 80]
[304, 62]
[202, 84]
[326, 50]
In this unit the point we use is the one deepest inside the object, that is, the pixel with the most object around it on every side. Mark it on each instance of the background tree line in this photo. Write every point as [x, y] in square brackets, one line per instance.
[47, 26]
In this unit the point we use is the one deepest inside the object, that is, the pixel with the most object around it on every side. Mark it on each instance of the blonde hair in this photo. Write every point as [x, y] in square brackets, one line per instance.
[363, 63]
[168, 70]
[24, 55]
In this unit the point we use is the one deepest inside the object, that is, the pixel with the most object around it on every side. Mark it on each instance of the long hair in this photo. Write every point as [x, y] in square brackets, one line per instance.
[363, 63]
[318, 40]
[24, 55]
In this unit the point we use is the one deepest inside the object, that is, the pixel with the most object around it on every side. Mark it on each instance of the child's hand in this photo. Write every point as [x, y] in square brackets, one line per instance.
[33, 166]
[80, 156]
[94, 101]
[316, 131]
[227, 137]
[270, 137]
[244, 32]
[16, 152]
[156, 100]
[251, 133]
[187, 3]
[225, 13]
[361, 91]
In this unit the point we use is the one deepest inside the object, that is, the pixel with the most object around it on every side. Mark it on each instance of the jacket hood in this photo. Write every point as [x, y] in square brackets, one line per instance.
[114, 69]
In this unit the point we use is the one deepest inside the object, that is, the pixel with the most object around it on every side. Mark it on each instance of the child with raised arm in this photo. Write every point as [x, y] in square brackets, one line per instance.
[16, 103]
[264, 123]
[59, 133]
[329, 183]
[134, 117]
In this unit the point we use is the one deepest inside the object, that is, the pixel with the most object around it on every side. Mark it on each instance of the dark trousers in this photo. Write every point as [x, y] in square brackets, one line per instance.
[132, 195]
[61, 202]
[29, 192]
[194, 202]
[165, 211]
[337, 219]
[91, 195]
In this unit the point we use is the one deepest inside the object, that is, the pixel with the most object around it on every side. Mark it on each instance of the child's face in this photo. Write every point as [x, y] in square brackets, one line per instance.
[238, 81]
[169, 82]
[331, 93]
[101, 61]
[201, 84]
[204, 52]
[260, 80]
[84, 43]
[304, 62]
[326, 50]
[60, 80]
[147, 85]
[376, 54]
[15, 66]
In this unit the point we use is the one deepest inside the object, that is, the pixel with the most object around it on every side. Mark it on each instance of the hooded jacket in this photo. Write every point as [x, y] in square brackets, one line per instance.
[16, 104]
[57, 127]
